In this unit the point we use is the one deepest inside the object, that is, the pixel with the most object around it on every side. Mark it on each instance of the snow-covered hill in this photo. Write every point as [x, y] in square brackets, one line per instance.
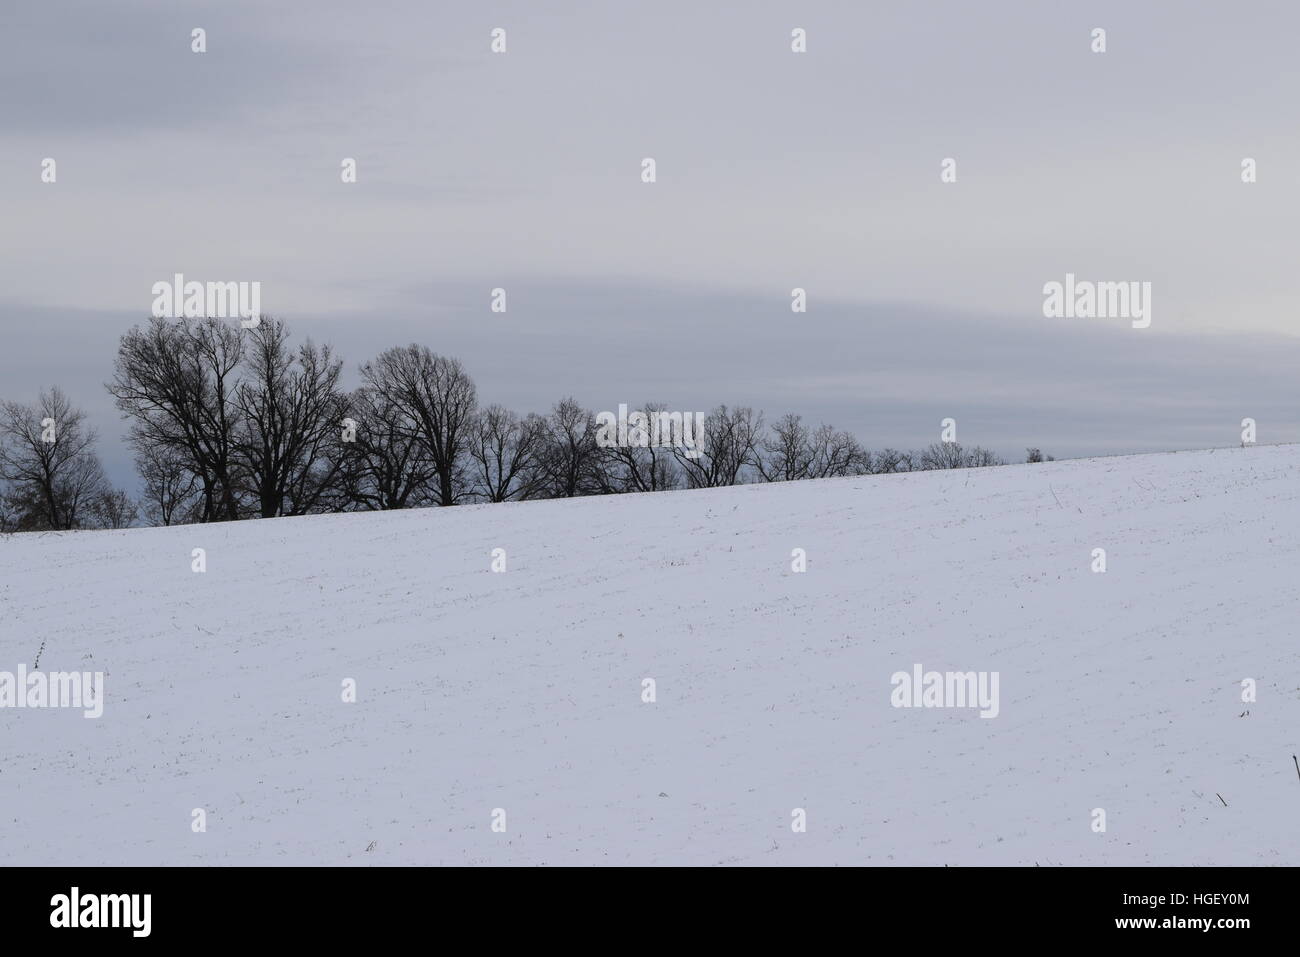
[523, 690]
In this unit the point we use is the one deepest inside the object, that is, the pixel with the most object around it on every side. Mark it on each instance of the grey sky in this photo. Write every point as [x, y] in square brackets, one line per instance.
[775, 170]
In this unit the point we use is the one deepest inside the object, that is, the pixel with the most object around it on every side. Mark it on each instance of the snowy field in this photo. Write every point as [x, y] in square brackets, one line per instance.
[522, 690]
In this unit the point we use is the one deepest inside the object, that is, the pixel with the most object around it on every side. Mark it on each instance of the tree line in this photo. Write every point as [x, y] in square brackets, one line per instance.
[228, 423]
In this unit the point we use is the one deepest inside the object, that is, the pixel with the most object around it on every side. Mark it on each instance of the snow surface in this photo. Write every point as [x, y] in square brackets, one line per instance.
[522, 690]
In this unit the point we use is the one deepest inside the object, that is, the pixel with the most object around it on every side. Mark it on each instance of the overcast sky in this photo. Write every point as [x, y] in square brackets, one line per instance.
[775, 170]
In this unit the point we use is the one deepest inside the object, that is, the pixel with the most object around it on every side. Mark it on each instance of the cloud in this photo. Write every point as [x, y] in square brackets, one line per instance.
[776, 170]
[887, 372]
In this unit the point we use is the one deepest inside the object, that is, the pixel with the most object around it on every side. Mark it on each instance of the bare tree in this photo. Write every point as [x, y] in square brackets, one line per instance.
[641, 465]
[176, 381]
[386, 466]
[892, 460]
[952, 455]
[980, 457]
[47, 455]
[437, 396]
[787, 454]
[506, 452]
[729, 448]
[291, 415]
[837, 453]
[794, 452]
[115, 509]
[943, 455]
[170, 494]
[570, 460]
